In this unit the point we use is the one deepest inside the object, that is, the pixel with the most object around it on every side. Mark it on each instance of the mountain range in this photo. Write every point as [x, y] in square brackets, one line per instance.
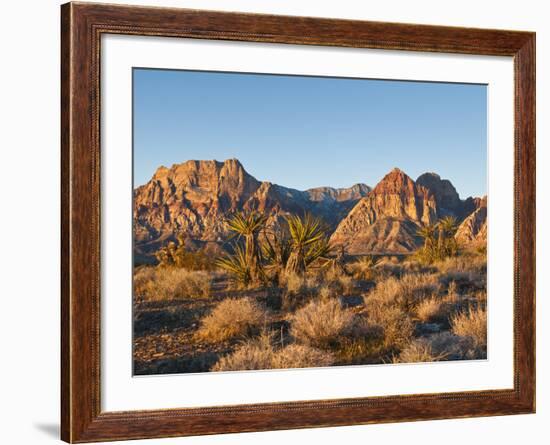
[196, 197]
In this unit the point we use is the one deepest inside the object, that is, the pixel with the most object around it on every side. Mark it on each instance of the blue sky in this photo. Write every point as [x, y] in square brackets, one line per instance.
[305, 132]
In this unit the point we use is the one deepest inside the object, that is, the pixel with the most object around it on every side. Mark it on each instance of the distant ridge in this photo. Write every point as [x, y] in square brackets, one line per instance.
[196, 196]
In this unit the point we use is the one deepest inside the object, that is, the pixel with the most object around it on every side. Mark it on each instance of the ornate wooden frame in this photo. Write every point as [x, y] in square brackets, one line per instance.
[82, 25]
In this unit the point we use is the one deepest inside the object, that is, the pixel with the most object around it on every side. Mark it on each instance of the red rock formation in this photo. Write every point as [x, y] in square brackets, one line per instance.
[386, 220]
[473, 230]
[195, 198]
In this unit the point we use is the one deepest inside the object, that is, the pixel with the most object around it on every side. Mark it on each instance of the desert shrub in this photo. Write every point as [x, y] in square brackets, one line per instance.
[471, 323]
[298, 289]
[465, 262]
[143, 279]
[481, 297]
[353, 350]
[301, 356]
[465, 279]
[294, 283]
[386, 268]
[233, 317]
[346, 284]
[467, 271]
[325, 292]
[253, 354]
[452, 291]
[482, 249]
[174, 254]
[440, 346]
[406, 291]
[320, 323]
[364, 268]
[260, 353]
[454, 347]
[171, 283]
[397, 326]
[417, 351]
[429, 308]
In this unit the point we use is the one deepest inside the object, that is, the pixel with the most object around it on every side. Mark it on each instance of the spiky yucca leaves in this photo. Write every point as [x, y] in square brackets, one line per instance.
[447, 230]
[237, 265]
[248, 226]
[309, 242]
[439, 240]
[276, 249]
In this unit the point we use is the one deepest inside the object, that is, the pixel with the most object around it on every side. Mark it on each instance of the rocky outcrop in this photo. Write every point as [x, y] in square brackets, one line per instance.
[473, 230]
[387, 219]
[447, 198]
[195, 198]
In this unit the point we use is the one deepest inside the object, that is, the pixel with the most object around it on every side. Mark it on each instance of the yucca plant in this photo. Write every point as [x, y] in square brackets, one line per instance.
[237, 265]
[276, 249]
[248, 227]
[428, 251]
[448, 227]
[439, 240]
[309, 242]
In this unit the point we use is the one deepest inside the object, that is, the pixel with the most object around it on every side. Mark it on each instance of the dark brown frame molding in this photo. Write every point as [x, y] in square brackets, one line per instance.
[82, 25]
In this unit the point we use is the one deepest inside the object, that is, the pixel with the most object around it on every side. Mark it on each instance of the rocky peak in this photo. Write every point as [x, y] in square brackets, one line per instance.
[385, 220]
[445, 193]
[396, 181]
[473, 230]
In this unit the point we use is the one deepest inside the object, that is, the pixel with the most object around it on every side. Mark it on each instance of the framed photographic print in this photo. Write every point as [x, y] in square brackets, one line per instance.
[274, 222]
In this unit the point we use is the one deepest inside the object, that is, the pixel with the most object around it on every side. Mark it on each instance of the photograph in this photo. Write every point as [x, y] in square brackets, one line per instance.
[288, 221]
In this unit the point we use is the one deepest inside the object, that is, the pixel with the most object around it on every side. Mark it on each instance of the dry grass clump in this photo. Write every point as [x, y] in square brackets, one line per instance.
[254, 354]
[320, 323]
[466, 271]
[301, 284]
[440, 346]
[294, 283]
[154, 284]
[233, 317]
[406, 291]
[387, 268]
[454, 347]
[354, 350]
[326, 292]
[471, 323]
[144, 278]
[364, 268]
[259, 353]
[344, 284]
[301, 356]
[396, 324]
[298, 289]
[429, 309]
[475, 263]
[418, 351]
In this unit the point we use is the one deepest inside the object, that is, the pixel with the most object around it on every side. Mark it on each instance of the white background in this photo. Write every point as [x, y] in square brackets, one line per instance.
[29, 221]
[121, 392]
